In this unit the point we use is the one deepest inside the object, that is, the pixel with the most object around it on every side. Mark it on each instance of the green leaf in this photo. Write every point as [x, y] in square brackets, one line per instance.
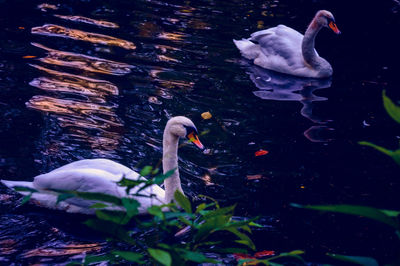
[129, 256]
[183, 201]
[111, 216]
[391, 213]
[200, 207]
[99, 205]
[110, 229]
[244, 239]
[26, 199]
[369, 212]
[392, 109]
[211, 225]
[161, 256]
[22, 189]
[131, 205]
[229, 250]
[295, 252]
[220, 211]
[194, 256]
[129, 183]
[160, 178]
[64, 196]
[394, 154]
[156, 211]
[146, 171]
[367, 261]
[97, 258]
[93, 196]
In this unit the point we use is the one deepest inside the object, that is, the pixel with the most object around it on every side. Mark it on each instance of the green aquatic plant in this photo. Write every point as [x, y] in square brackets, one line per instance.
[163, 244]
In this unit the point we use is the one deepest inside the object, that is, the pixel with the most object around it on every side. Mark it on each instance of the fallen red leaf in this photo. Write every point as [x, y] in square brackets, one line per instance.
[29, 56]
[264, 253]
[261, 152]
[241, 256]
[253, 177]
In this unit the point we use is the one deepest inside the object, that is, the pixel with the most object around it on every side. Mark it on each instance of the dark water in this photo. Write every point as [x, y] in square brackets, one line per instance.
[73, 89]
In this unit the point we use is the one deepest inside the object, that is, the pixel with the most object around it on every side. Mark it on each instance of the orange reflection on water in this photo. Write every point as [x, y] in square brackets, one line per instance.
[172, 36]
[84, 62]
[100, 23]
[163, 78]
[60, 31]
[76, 113]
[65, 82]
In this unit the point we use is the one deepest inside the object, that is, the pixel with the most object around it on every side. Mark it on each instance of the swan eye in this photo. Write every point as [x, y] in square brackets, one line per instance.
[193, 137]
[333, 27]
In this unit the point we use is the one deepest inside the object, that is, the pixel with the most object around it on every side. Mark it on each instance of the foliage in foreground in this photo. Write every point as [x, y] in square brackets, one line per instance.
[388, 217]
[175, 233]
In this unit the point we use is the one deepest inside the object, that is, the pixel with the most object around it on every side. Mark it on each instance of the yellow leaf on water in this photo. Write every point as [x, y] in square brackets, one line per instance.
[206, 115]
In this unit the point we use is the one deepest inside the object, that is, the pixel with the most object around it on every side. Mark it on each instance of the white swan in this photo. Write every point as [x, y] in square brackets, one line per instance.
[101, 175]
[285, 50]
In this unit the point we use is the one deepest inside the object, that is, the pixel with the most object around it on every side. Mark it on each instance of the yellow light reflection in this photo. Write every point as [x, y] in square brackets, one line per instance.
[65, 82]
[100, 23]
[60, 31]
[84, 62]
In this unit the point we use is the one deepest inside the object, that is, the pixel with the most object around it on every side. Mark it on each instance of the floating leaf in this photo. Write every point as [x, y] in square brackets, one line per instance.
[161, 256]
[254, 177]
[206, 115]
[261, 153]
[29, 56]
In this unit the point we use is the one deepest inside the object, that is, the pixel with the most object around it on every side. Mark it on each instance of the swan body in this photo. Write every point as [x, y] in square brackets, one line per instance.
[102, 175]
[285, 50]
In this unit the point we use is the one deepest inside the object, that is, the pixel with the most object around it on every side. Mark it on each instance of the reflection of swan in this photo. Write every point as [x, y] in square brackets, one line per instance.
[101, 175]
[281, 87]
[285, 50]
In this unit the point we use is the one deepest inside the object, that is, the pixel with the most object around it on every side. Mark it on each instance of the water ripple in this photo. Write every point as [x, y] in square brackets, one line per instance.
[100, 23]
[84, 62]
[69, 83]
[60, 31]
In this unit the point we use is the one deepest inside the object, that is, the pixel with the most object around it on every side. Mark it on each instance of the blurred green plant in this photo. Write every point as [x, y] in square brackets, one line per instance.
[388, 217]
[175, 234]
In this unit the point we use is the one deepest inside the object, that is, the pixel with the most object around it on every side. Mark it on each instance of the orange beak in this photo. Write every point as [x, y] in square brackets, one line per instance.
[333, 27]
[195, 139]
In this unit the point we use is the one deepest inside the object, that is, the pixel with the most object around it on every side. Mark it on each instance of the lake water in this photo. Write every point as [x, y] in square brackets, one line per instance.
[74, 88]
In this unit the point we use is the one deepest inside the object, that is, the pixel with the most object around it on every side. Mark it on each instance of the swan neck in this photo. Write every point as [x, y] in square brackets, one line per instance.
[308, 44]
[170, 161]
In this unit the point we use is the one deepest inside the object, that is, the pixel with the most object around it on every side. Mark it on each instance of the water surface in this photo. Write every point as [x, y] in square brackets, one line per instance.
[89, 79]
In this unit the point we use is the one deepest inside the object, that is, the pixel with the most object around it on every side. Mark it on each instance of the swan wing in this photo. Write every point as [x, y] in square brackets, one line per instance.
[113, 168]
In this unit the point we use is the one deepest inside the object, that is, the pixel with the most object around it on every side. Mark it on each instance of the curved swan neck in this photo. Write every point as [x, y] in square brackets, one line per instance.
[170, 161]
[308, 44]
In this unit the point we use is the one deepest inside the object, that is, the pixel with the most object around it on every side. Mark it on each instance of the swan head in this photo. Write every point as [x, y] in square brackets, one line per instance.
[183, 127]
[326, 19]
